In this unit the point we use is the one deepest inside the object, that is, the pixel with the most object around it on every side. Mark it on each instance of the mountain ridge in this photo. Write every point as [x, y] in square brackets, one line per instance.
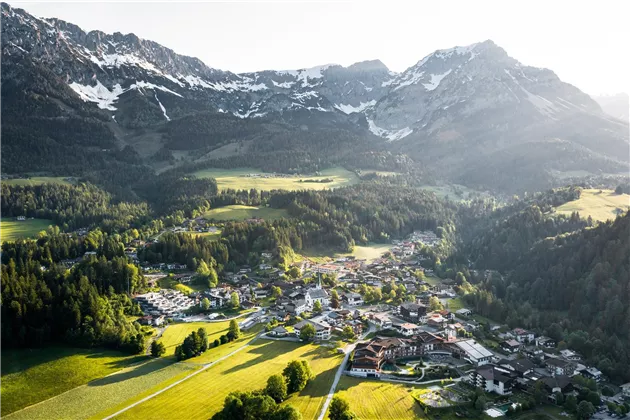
[453, 105]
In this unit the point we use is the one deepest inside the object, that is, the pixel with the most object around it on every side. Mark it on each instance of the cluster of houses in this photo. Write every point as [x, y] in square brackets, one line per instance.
[165, 302]
[370, 357]
[554, 370]
[427, 238]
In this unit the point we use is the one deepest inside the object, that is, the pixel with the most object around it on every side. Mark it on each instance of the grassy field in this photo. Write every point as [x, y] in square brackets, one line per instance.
[213, 236]
[379, 400]
[237, 179]
[37, 180]
[175, 334]
[99, 395]
[600, 206]
[368, 252]
[203, 395]
[12, 229]
[455, 304]
[31, 376]
[239, 212]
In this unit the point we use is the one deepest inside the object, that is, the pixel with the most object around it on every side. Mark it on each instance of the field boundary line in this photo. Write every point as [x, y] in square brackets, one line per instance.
[155, 394]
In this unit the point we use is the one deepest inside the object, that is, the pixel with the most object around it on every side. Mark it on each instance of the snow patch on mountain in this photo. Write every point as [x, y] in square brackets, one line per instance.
[103, 97]
[147, 85]
[435, 80]
[195, 81]
[349, 109]
[162, 107]
[303, 75]
[284, 85]
[391, 135]
[410, 79]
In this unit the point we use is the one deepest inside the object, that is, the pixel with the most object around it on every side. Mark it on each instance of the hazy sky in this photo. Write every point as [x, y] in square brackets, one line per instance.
[584, 42]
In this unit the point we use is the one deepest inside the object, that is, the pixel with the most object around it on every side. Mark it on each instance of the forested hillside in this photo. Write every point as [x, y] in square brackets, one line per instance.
[575, 287]
[43, 302]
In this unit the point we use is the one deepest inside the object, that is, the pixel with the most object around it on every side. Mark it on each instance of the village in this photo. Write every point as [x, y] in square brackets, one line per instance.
[393, 319]
[413, 337]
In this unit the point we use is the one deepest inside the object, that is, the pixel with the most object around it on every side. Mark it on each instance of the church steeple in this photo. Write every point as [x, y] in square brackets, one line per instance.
[319, 281]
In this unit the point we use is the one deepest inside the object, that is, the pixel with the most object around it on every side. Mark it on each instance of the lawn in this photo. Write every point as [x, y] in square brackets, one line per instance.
[455, 304]
[31, 376]
[237, 179]
[203, 395]
[600, 206]
[38, 180]
[12, 229]
[379, 400]
[108, 392]
[239, 212]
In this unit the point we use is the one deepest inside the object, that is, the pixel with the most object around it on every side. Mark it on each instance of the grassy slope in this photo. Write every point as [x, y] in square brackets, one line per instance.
[239, 212]
[89, 400]
[600, 206]
[213, 236]
[37, 180]
[382, 400]
[11, 229]
[368, 252]
[203, 395]
[31, 376]
[236, 179]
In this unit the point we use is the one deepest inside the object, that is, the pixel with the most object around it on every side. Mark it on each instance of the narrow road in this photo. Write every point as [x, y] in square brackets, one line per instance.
[333, 387]
[153, 338]
[207, 366]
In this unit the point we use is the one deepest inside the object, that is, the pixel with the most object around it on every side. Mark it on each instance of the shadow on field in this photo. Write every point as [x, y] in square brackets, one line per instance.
[142, 370]
[121, 363]
[320, 386]
[265, 353]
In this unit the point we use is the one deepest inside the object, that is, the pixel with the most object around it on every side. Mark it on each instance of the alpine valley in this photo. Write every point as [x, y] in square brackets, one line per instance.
[469, 115]
[183, 242]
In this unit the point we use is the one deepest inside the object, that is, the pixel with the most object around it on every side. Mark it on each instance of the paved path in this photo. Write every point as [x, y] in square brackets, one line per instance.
[207, 366]
[342, 367]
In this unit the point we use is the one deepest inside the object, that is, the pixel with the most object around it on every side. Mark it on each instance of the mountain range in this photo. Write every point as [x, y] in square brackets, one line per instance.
[471, 115]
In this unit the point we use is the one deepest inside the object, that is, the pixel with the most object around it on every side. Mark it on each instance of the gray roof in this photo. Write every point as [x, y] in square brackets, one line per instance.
[473, 349]
[301, 324]
[317, 293]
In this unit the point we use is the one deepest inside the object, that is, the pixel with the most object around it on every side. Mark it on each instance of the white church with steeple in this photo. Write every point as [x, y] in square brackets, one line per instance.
[317, 294]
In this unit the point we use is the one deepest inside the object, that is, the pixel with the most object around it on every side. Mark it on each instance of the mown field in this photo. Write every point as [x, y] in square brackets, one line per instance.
[37, 180]
[600, 206]
[203, 395]
[239, 212]
[31, 376]
[175, 334]
[91, 399]
[12, 229]
[368, 252]
[379, 400]
[237, 179]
